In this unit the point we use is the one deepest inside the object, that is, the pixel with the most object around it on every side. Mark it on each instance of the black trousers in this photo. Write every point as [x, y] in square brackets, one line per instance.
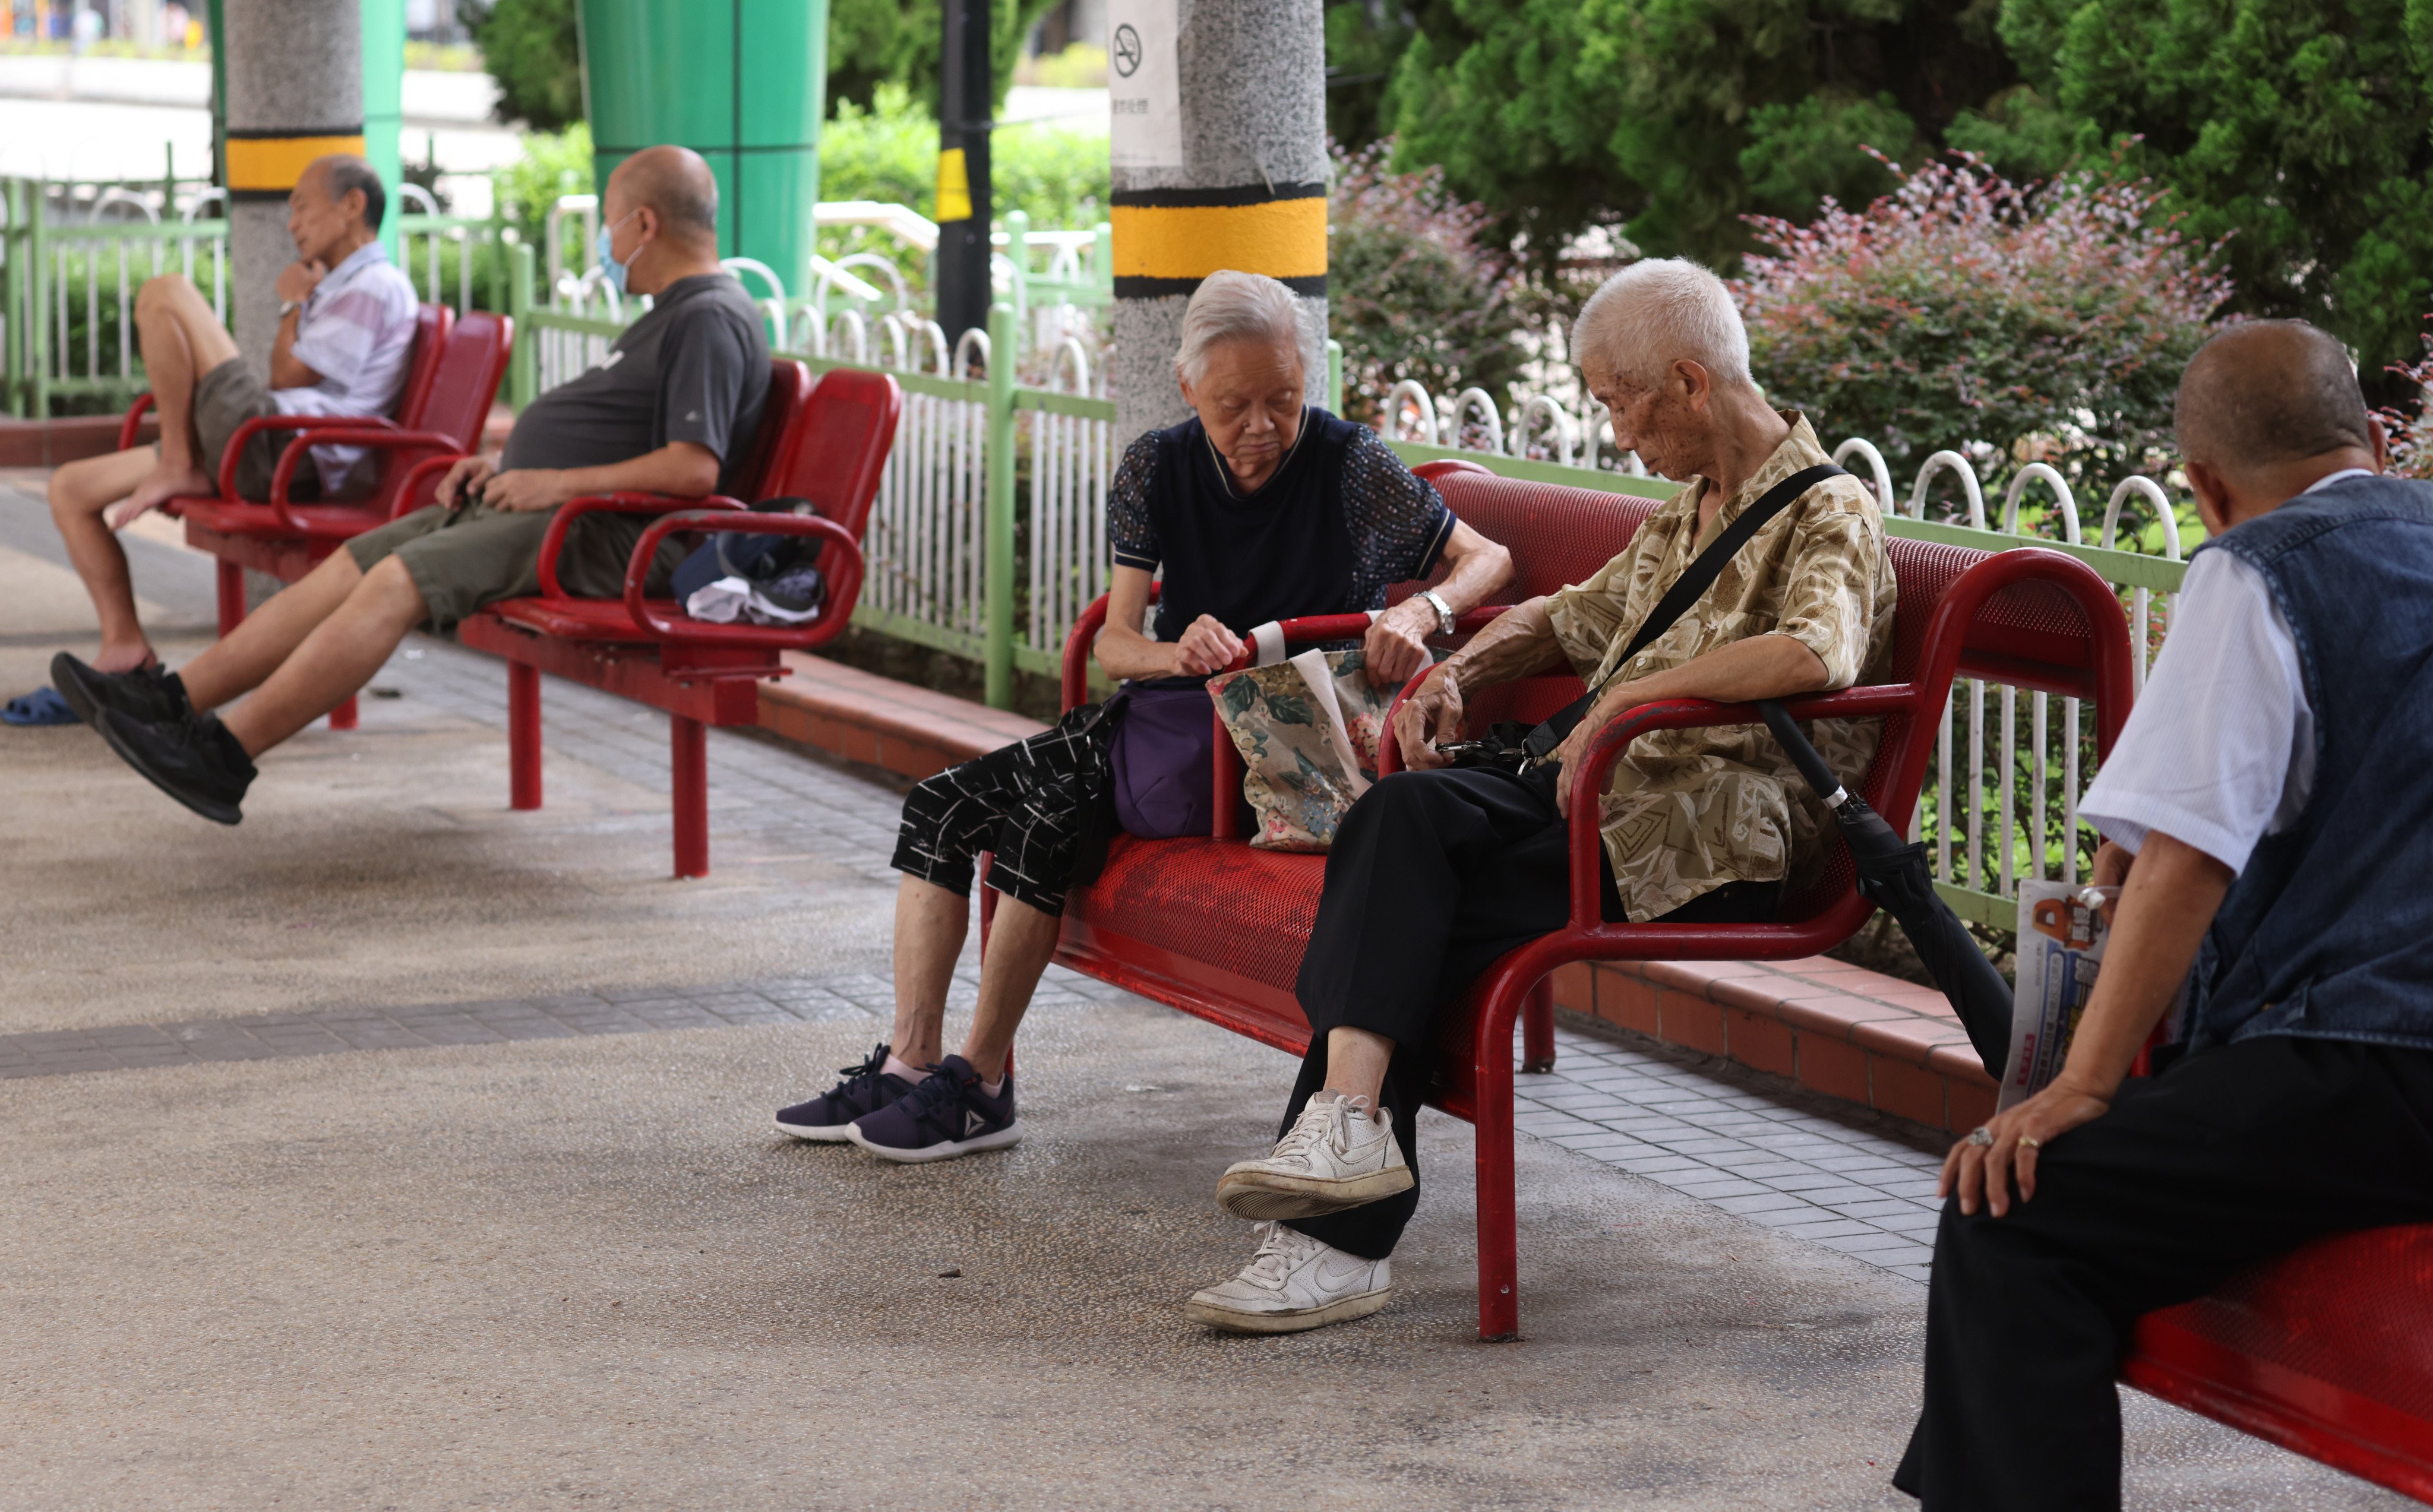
[2232, 1155]
[1433, 875]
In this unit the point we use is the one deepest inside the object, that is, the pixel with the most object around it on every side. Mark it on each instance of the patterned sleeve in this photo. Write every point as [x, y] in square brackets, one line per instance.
[1130, 534]
[1838, 574]
[1399, 523]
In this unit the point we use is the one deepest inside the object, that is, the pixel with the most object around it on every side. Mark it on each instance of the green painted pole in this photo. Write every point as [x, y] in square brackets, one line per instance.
[521, 371]
[216, 32]
[997, 591]
[384, 105]
[37, 306]
[1333, 377]
[12, 301]
[744, 83]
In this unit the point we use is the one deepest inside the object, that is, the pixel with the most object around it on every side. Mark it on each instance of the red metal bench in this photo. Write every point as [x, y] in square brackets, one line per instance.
[1218, 929]
[2328, 1351]
[826, 442]
[449, 383]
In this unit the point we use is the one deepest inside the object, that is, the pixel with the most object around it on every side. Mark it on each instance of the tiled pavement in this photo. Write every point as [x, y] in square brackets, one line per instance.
[1787, 1160]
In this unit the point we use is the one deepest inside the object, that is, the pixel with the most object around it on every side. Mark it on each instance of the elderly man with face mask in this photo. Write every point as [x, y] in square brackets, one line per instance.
[1259, 507]
[1436, 873]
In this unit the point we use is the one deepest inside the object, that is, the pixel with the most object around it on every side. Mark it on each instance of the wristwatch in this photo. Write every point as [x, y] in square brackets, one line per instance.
[288, 307]
[1444, 610]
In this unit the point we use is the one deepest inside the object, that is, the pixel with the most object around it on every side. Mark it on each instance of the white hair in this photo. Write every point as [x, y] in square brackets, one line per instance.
[1652, 314]
[1232, 306]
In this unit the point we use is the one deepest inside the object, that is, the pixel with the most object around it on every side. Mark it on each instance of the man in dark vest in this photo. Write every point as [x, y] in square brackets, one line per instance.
[2269, 807]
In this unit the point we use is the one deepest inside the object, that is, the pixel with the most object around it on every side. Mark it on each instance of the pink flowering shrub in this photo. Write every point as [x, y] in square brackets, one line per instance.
[2015, 323]
[2412, 434]
[1416, 287]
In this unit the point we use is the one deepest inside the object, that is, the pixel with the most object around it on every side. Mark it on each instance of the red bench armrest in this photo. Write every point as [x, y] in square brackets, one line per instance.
[245, 433]
[841, 564]
[1588, 780]
[133, 425]
[369, 436]
[553, 539]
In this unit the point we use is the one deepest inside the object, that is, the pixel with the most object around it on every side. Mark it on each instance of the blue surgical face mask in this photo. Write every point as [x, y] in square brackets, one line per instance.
[608, 262]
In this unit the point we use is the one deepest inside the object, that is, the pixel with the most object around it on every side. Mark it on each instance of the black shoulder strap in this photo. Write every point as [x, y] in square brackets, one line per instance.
[1687, 589]
[1700, 575]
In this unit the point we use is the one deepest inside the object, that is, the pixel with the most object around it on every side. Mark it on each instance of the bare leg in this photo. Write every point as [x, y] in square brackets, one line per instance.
[1021, 943]
[336, 660]
[80, 492]
[182, 341]
[930, 924]
[1355, 1063]
[241, 660]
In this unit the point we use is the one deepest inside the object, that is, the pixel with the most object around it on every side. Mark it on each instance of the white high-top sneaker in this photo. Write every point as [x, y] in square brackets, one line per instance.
[1295, 1283]
[1334, 1156]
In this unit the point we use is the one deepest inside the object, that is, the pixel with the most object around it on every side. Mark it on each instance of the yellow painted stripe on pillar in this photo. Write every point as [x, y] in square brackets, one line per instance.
[277, 163]
[954, 186]
[1283, 239]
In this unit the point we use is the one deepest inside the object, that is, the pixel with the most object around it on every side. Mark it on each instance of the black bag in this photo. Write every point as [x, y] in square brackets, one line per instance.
[1515, 748]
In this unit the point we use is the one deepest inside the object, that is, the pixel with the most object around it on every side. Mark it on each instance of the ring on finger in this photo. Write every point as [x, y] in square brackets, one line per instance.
[1981, 1136]
[2030, 1142]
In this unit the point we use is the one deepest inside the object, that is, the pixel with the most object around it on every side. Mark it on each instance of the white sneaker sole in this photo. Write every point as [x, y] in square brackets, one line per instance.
[818, 1133]
[943, 1150]
[1260, 1196]
[1233, 1320]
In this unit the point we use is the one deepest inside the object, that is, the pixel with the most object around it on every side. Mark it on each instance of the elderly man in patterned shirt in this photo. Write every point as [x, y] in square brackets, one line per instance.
[1439, 870]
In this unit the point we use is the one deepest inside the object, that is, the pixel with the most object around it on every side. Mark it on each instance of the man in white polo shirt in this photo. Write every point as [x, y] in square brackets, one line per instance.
[346, 336]
[2268, 805]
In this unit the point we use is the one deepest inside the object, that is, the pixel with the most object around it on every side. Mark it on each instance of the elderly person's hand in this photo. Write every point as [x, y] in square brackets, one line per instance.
[462, 482]
[526, 490]
[1430, 714]
[1206, 647]
[1397, 643]
[1983, 1165]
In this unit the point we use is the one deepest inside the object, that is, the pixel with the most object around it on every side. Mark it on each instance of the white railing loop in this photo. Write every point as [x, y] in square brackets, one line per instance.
[587, 206]
[1861, 445]
[1958, 464]
[1411, 397]
[1537, 405]
[2051, 478]
[856, 332]
[973, 342]
[1463, 403]
[2148, 489]
[1070, 349]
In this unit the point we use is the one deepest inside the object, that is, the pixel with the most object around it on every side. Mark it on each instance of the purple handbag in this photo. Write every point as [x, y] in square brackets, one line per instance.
[1163, 760]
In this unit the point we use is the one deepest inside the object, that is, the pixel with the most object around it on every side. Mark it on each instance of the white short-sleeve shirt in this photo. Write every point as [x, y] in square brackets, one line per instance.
[2220, 752]
[357, 332]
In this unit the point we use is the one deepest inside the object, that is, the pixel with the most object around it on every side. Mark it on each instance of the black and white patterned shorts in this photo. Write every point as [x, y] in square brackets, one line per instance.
[1025, 802]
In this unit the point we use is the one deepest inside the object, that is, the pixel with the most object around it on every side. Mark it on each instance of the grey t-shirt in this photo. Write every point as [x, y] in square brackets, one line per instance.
[695, 368]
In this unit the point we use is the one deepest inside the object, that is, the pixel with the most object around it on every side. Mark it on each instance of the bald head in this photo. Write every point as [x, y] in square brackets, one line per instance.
[674, 182]
[2269, 392]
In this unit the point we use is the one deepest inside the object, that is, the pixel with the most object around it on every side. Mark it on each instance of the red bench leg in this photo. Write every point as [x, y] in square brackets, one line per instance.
[690, 783]
[343, 717]
[1498, 1240]
[231, 596]
[523, 735]
[1538, 1028]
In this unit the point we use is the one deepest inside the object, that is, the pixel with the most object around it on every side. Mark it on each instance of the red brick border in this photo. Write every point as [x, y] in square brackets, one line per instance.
[863, 717]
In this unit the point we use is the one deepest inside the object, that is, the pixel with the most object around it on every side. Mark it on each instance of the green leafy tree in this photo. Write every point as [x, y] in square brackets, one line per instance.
[529, 47]
[896, 41]
[1674, 118]
[2302, 129]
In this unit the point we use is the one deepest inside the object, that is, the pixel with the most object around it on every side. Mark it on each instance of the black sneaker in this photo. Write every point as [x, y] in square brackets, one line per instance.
[866, 1088]
[946, 1115]
[194, 760]
[153, 694]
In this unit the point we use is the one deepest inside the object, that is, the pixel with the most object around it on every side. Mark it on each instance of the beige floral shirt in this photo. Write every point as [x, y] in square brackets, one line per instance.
[1687, 811]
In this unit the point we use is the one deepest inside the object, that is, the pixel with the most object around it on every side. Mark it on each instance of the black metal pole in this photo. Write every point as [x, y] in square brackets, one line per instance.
[963, 209]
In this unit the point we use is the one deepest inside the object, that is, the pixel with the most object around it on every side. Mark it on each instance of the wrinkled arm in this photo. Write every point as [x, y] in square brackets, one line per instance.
[1397, 644]
[1520, 641]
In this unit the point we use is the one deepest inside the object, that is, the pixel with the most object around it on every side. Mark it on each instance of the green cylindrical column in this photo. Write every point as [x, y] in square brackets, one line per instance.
[742, 83]
[384, 104]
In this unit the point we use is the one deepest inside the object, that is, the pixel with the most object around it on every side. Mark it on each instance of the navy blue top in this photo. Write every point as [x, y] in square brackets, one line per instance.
[2329, 930]
[1341, 522]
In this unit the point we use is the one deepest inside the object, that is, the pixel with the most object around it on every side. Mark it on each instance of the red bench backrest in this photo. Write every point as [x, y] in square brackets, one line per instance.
[789, 385]
[458, 363]
[838, 448]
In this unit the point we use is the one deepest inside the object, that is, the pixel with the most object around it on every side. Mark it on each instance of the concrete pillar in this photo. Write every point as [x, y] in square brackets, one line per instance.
[295, 92]
[383, 32]
[1218, 140]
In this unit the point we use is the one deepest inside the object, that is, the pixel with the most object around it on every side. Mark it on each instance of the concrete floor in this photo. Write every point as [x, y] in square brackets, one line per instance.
[584, 1270]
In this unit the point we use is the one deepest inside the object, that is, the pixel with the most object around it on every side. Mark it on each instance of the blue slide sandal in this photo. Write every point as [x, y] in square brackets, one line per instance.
[43, 705]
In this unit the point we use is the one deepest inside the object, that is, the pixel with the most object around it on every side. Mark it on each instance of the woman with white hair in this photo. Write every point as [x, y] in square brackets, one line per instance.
[1259, 507]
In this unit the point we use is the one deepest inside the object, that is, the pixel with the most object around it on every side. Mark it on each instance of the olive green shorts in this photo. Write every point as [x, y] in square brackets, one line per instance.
[465, 559]
[225, 398]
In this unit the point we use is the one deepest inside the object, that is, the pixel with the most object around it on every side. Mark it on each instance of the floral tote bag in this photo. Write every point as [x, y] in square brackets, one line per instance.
[1308, 731]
